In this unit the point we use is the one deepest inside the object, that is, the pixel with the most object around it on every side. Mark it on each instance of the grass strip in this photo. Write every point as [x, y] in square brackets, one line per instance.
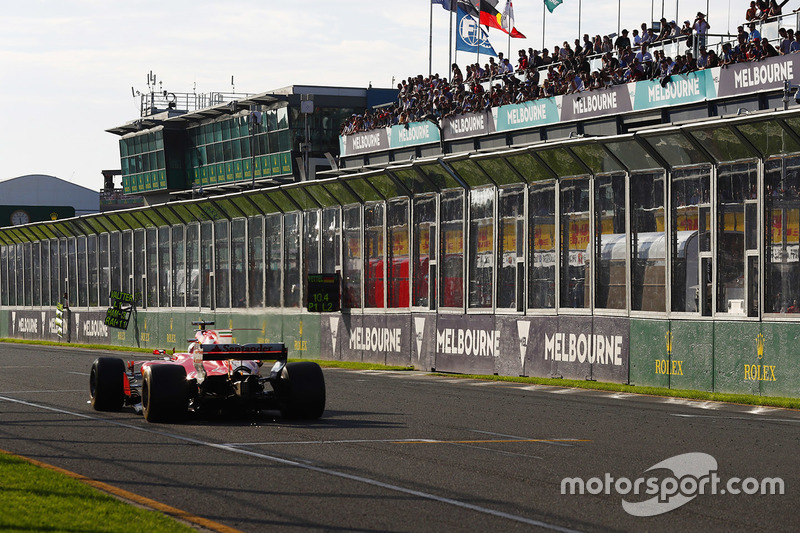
[34, 498]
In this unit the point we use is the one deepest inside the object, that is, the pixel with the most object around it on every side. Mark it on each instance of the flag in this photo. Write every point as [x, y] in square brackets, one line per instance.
[508, 17]
[488, 15]
[552, 4]
[448, 5]
[469, 36]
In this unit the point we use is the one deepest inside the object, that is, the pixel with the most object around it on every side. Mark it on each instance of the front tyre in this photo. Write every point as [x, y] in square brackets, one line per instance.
[107, 384]
[164, 392]
[303, 391]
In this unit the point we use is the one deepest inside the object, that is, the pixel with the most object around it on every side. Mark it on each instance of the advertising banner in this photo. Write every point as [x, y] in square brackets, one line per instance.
[527, 115]
[414, 133]
[469, 344]
[758, 76]
[608, 101]
[471, 125]
[365, 142]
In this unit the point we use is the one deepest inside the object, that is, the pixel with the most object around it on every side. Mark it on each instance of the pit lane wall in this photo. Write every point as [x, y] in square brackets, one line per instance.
[748, 357]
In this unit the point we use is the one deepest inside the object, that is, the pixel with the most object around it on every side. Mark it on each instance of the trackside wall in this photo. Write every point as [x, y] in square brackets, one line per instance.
[745, 357]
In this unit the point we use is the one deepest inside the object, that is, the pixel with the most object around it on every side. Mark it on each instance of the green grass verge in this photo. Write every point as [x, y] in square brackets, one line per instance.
[37, 499]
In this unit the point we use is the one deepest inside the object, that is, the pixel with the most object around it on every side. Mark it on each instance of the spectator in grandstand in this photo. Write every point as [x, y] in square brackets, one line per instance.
[622, 42]
[767, 50]
[796, 43]
[752, 12]
[686, 31]
[785, 42]
[637, 39]
[701, 27]
[754, 33]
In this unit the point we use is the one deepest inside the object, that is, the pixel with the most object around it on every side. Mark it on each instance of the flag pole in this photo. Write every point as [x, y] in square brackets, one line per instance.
[619, 17]
[430, 44]
[450, 55]
[544, 20]
[579, 19]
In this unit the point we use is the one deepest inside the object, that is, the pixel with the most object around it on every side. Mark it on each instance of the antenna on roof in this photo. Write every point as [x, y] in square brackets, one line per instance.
[233, 87]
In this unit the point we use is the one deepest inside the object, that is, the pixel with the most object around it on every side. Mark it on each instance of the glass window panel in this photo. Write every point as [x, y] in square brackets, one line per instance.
[45, 273]
[542, 245]
[397, 250]
[92, 268]
[4, 273]
[222, 264]
[451, 266]
[36, 272]
[341, 193]
[481, 248]
[782, 235]
[424, 239]
[736, 185]
[292, 267]
[648, 257]
[178, 266]
[245, 206]
[528, 166]
[364, 190]
[690, 190]
[769, 138]
[192, 271]
[374, 256]
[300, 197]
[676, 149]
[151, 263]
[439, 176]
[575, 222]
[561, 162]
[274, 259]
[206, 263]
[511, 248]
[352, 264]
[611, 286]
[498, 170]
[238, 263]
[331, 239]
[129, 284]
[311, 243]
[723, 144]
[164, 267]
[56, 292]
[386, 186]
[255, 256]
[226, 206]
[468, 171]
[12, 274]
[281, 200]
[263, 203]
[321, 195]
[596, 158]
[83, 282]
[632, 155]
[413, 180]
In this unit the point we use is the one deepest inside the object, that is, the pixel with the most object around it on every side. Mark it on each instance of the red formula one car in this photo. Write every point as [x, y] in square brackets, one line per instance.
[214, 374]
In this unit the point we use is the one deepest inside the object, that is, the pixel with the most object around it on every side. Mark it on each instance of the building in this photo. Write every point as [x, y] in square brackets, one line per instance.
[37, 197]
[647, 235]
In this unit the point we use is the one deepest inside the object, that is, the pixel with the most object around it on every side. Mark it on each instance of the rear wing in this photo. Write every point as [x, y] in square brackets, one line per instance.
[220, 352]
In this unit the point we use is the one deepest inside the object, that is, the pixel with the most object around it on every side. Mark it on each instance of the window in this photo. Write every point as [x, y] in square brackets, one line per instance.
[648, 259]
[691, 226]
[481, 247]
[274, 259]
[152, 282]
[193, 265]
[104, 272]
[36, 272]
[542, 245]
[782, 235]
[398, 253]
[255, 259]
[222, 264]
[72, 275]
[238, 263]
[207, 264]
[91, 258]
[351, 266]
[374, 255]
[575, 277]
[451, 293]
[311, 241]
[424, 239]
[45, 266]
[331, 244]
[291, 246]
[511, 248]
[736, 220]
[611, 272]
[164, 267]
[83, 283]
[178, 267]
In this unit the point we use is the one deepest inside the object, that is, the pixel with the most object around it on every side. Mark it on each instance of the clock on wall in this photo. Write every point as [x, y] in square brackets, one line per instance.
[20, 216]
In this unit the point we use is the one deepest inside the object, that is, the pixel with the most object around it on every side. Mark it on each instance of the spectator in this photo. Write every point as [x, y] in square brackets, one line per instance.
[701, 27]
[786, 43]
[796, 43]
[622, 42]
[754, 33]
[767, 50]
[752, 12]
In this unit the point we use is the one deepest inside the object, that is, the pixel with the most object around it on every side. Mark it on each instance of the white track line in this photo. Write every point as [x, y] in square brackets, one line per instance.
[313, 468]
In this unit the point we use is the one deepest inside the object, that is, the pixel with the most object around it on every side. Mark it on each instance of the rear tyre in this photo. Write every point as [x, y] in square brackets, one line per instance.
[107, 384]
[303, 391]
[164, 393]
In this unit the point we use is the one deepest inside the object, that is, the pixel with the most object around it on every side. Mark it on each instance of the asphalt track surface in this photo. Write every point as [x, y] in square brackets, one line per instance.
[407, 451]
